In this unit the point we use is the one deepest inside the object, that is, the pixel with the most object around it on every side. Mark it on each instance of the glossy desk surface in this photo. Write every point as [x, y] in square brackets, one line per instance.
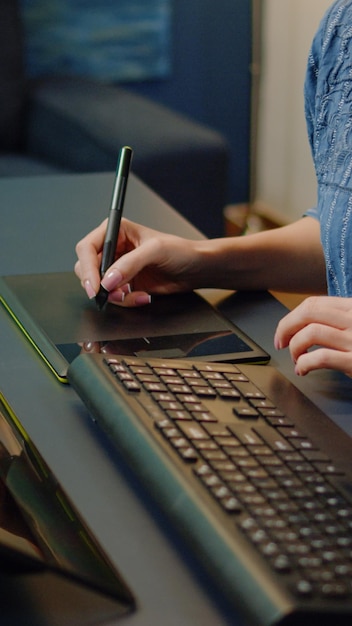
[41, 219]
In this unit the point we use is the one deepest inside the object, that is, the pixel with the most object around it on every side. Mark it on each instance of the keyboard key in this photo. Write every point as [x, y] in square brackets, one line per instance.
[246, 435]
[203, 416]
[273, 439]
[188, 454]
[231, 504]
[228, 394]
[179, 414]
[204, 392]
[250, 391]
[132, 386]
[217, 430]
[304, 588]
[193, 431]
[214, 455]
[245, 411]
[179, 389]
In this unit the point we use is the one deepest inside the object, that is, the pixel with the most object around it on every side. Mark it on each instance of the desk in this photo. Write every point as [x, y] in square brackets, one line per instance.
[40, 221]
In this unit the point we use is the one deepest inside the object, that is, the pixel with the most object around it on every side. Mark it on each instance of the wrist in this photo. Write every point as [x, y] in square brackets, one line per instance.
[219, 262]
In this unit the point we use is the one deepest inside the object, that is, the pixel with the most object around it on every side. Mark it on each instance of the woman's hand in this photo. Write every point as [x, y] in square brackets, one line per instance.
[147, 262]
[151, 262]
[323, 322]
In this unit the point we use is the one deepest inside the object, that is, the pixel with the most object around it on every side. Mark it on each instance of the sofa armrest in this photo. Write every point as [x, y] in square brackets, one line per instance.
[80, 125]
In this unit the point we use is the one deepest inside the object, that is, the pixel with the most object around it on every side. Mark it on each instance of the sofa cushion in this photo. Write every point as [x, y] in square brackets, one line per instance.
[12, 80]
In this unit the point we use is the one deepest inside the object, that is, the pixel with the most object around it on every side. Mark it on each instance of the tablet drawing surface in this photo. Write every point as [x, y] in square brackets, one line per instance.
[59, 320]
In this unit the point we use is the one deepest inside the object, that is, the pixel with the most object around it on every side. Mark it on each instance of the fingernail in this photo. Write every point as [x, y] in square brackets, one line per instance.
[118, 296]
[89, 289]
[126, 288]
[88, 346]
[143, 299]
[111, 279]
[277, 344]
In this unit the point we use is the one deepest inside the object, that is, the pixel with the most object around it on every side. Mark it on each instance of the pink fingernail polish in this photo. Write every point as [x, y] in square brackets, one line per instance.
[111, 279]
[143, 299]
[89, 290]
[126, 288]
[119, 296]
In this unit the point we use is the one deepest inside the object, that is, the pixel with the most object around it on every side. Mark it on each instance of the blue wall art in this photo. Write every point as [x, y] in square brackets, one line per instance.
[113, 40]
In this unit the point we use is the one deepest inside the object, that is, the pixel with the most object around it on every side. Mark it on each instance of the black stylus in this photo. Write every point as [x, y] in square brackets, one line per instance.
[115, 214]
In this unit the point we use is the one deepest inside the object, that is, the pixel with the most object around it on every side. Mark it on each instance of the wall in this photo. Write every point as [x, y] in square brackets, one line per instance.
[285, 174]
[210, 78]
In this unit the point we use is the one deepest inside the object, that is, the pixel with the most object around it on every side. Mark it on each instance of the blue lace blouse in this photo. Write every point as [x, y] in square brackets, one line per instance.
[328, 107]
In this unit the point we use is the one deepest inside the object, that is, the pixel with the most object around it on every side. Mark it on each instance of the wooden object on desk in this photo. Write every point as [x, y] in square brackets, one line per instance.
[289, 300]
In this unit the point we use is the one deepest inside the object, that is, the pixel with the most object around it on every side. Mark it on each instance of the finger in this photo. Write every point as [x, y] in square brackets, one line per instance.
[128, 266]
[324, 358]
[132, 299]
[88, 251]
[91, 346]
[320, 335]
[329, 311]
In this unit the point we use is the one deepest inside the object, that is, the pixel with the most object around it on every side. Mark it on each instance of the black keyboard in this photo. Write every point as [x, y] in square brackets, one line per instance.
[255, 478]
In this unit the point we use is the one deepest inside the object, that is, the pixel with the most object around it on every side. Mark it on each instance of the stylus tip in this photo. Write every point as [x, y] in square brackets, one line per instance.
[101, 298]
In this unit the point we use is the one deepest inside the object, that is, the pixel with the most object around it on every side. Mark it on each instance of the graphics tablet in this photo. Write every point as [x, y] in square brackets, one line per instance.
[58, 319]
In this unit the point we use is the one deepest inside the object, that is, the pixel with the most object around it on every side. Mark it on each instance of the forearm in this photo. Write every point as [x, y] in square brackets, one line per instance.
[285, 259]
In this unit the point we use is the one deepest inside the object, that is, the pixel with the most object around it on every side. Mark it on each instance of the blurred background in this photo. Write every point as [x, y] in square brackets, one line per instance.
[209, 94]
